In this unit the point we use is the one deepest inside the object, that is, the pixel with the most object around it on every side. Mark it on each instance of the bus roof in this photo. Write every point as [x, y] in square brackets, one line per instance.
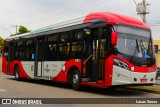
[109, 17]
[117, 18]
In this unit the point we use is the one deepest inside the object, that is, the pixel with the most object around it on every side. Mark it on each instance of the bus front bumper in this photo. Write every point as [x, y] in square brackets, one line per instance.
[122, 76]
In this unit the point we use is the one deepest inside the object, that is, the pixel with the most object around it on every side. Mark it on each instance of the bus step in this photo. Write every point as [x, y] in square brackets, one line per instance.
[86, 79]
[38, 77]
[9, 74]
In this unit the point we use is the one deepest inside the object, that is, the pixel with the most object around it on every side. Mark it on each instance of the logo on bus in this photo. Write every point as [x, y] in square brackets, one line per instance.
[144, 76]
[47, 68]
[32, 68]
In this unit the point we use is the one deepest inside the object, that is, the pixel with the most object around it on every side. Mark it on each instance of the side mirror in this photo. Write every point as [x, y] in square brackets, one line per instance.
[114, 38]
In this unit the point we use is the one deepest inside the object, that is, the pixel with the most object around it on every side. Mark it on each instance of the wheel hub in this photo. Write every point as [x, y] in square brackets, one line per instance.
[16, 74]
[75, 79]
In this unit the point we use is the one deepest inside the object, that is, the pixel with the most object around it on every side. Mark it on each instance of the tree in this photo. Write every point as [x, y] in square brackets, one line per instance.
[21, 30]
[1, 41]
[12, 35]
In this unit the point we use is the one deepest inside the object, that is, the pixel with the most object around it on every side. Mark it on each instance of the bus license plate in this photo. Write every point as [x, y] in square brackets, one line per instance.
[143, 80]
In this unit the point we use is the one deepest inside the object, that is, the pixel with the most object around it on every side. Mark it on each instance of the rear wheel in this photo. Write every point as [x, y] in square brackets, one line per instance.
[16, 71]
[76, 80]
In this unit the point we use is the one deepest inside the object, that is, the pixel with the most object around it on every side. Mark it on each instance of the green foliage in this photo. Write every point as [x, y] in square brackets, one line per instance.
[21, 30]
[1, 41]
[12, 35]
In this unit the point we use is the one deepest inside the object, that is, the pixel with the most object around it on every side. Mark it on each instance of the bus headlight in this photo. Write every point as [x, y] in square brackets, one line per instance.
[120, 64]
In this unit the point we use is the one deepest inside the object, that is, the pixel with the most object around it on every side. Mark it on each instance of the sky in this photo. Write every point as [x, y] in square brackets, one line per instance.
[36, 14]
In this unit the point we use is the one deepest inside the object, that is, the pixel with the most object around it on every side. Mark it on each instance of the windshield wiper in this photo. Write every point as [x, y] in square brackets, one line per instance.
[142, 46]
[136, 49]
[144, 50]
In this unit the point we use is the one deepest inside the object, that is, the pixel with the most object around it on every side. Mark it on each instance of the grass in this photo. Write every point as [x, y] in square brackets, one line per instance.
[152, 88]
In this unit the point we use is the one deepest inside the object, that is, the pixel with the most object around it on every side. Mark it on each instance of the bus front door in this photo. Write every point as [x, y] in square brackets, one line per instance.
[87, 57]
[39, 60]
[93, 56]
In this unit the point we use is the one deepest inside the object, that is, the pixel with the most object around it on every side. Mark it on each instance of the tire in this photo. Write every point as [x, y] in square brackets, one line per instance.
[76, 80]
[157, 77]
[17, 76]
[111, 88]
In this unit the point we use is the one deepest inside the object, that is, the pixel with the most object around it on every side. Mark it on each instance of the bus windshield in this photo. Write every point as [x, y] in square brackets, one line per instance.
[135, 44]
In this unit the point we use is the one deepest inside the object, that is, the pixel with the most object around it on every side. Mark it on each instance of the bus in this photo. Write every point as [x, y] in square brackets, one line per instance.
[101, 49]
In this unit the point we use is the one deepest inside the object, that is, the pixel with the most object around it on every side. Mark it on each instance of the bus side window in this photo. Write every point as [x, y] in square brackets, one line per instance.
[64, 46]
[21, 50]
[76, 44]
[29, 50]
[109, 47]
[51, 47]
[95, 44]
[6, 50]
[16, 51]
[17, 55]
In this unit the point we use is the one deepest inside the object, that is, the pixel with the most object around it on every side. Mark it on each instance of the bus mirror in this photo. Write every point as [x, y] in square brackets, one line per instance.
[114, 38]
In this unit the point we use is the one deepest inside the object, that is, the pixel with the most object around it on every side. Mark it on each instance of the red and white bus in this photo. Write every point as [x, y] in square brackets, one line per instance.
[101, 49]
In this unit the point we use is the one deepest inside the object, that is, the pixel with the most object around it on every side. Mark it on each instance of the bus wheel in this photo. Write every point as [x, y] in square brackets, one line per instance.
[76, 80]
[17, 77]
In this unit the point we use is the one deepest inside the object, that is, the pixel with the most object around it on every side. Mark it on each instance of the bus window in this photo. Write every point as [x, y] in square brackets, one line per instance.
[29, 50]
[95, 44]
[76, 44]
[51, 47]
[6, 50]
[18, 50]
[64, 46]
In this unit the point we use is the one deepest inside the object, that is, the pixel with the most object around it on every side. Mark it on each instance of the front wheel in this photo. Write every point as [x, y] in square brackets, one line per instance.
[76, 80]
[17, 77]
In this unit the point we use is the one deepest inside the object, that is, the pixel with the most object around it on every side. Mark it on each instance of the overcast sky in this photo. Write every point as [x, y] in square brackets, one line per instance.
[35, 14]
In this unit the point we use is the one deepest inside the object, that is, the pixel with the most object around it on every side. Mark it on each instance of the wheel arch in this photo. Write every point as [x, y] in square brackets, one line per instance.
[70, 73]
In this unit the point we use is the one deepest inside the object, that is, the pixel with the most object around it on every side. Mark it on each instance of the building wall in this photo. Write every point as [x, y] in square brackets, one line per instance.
[157, 42]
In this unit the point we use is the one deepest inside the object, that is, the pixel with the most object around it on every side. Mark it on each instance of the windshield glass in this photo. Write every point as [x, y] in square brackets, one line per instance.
[135, 44]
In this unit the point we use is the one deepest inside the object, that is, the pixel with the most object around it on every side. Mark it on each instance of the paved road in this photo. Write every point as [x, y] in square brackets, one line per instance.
[158, 81]
[47, 89]
[10, 88]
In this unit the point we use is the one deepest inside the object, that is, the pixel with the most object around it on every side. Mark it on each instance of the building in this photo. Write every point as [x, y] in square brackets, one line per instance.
[157, 51]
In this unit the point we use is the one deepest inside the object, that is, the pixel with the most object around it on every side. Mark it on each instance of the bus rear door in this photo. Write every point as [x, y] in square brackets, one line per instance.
[39, 60]
[10, 58]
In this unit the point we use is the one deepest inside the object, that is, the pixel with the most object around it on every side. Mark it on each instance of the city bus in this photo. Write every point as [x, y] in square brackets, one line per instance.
[101, 49]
